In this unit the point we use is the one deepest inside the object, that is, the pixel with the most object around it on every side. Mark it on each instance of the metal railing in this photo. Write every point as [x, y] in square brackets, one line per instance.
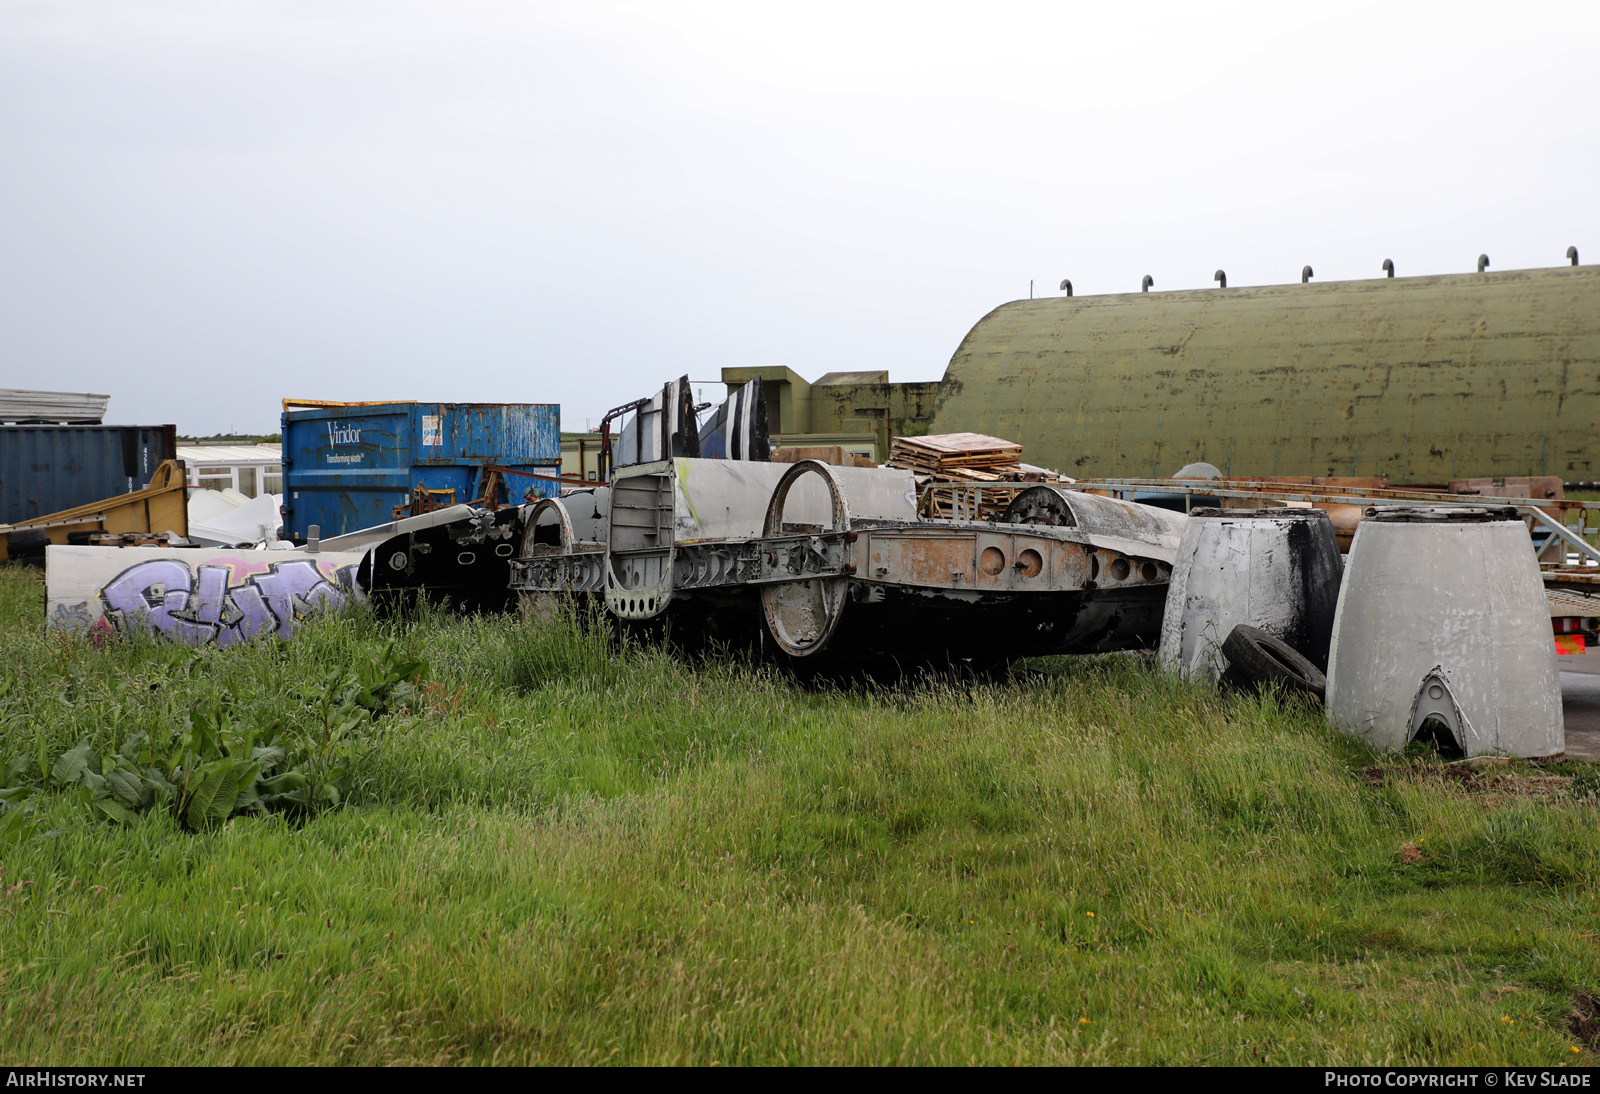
[1578, 530]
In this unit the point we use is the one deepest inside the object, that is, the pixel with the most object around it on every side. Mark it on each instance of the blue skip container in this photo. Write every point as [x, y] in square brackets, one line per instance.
[347, 465]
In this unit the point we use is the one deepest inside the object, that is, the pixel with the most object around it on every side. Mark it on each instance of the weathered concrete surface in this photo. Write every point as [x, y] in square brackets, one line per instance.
[1421, 379]
[1447, 617]
[727, 499]
[1276, 573]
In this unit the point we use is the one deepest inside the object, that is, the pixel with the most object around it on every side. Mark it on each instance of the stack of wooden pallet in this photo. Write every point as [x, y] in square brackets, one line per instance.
[823, 453]
[956, 457]
[966, 458]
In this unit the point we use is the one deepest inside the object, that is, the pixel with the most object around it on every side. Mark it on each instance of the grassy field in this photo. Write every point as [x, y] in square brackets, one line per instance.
[556, 850]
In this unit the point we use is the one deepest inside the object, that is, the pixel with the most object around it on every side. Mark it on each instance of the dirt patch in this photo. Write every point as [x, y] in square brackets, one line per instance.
[1584, 1021]
[1492, 781]
[1417, 771]
[1411, 854]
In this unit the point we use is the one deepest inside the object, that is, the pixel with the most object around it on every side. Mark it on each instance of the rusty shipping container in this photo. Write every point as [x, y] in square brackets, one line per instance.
[1419, 379]
[47, 468]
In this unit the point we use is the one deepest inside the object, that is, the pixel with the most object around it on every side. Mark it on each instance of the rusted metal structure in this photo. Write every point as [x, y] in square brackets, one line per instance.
[1564, 529]
[349, 466]
[832, 566]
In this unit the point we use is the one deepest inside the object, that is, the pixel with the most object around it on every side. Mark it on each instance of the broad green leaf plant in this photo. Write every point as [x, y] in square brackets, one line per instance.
[211, 767]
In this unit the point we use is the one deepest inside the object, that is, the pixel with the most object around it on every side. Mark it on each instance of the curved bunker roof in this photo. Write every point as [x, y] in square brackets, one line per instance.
[1421, 379]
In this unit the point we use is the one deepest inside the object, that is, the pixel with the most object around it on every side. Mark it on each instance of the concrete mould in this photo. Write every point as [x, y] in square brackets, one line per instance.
[463, 563]
[1442, 619]
[193, 597]
[1105, 522]
[1274, 569]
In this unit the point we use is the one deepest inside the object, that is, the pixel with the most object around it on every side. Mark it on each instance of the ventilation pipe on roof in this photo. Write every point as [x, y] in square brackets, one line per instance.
[1066, 286]
[1220, 278]
[1144, 286]
[1483, 263]
[1388, 266]
[1305, 274]
[1572, 253]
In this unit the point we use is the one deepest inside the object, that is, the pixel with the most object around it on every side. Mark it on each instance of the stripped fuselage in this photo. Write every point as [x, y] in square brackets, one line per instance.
[834, 563]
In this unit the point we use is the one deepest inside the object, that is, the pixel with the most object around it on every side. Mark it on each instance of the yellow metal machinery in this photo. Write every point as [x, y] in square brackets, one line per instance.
[162, 506]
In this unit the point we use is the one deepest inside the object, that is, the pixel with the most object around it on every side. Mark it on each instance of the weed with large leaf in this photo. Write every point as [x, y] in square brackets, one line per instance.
[213, 765]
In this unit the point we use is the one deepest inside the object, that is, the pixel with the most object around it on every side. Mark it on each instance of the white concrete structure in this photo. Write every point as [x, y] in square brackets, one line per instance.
[1443, 617]
[1277, 570]
[727, 499]
[195, 597]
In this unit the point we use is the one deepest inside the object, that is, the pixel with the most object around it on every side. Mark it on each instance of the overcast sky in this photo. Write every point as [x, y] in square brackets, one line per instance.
[207, 206]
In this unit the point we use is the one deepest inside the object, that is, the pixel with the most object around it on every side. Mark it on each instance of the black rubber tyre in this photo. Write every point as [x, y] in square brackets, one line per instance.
[26, 546]
[1256, 657]
[27, 541]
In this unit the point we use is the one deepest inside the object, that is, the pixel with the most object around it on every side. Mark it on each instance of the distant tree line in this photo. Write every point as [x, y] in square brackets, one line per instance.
[233, 438]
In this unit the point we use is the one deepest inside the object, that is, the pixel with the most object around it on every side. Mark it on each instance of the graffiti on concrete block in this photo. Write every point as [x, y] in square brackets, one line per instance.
[197, 597]
[222, 600]
[192, 597]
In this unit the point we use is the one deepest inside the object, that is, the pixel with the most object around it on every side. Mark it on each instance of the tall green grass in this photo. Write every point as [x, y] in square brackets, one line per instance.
[578, 849]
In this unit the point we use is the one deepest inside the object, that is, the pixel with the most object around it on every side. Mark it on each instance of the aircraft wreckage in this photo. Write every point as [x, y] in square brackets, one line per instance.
[829, 566]
[954, 554]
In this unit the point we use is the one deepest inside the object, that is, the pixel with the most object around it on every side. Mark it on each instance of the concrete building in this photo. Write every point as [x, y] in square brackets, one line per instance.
[859, 411]
[1419, 379]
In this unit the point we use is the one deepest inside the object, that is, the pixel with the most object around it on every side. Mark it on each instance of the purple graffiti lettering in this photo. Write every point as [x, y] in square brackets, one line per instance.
[253, 616]
[206, 604]
[296, 589]
[199, 609]
[148, 594]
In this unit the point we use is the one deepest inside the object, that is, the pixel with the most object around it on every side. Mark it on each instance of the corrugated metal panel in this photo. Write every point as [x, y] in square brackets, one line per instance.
[347, 467]
[197, 454]
[47, 468]
[21, 405]
[1421, 379]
